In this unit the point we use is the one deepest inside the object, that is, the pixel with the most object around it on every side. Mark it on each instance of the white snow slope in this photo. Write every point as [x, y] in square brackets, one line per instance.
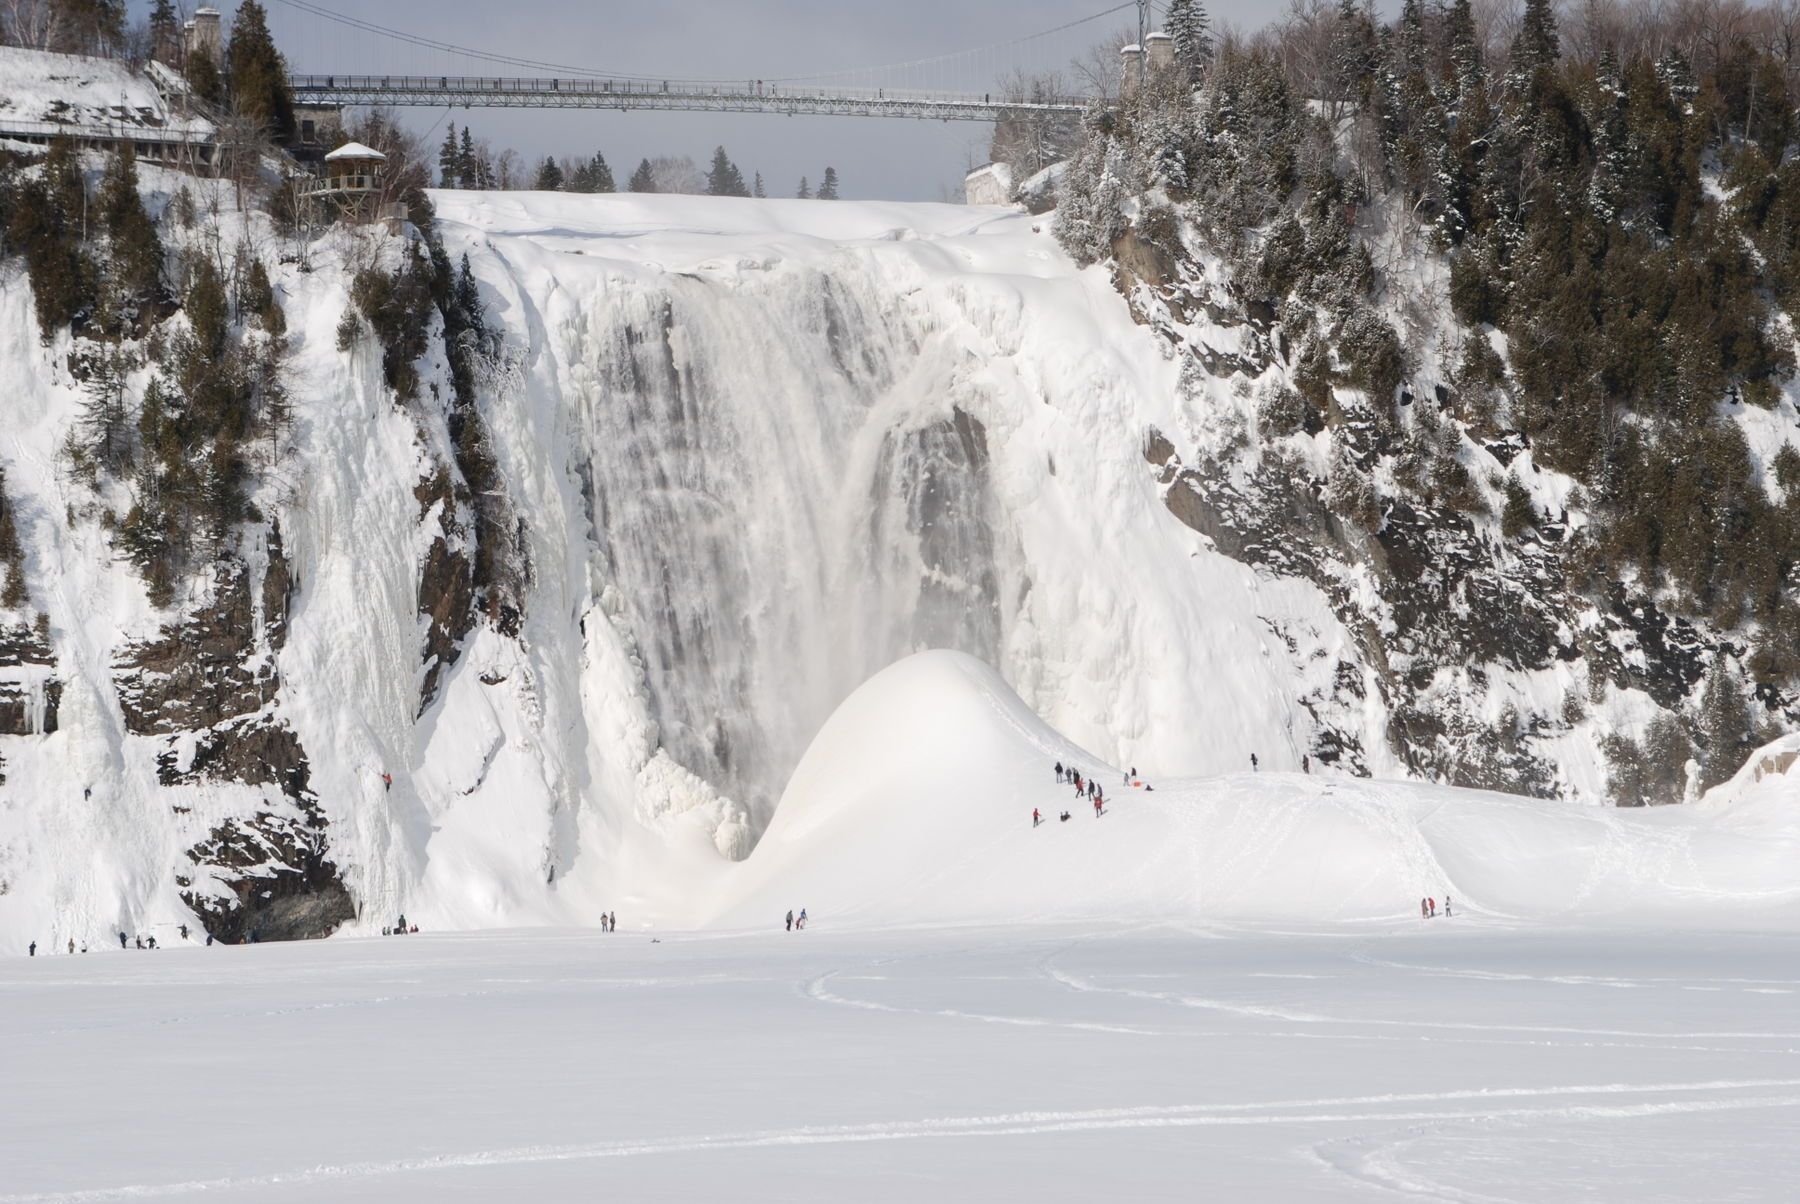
[761, 451]
[915, 803]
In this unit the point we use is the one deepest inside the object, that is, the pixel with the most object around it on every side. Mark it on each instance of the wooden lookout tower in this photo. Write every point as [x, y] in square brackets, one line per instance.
[351, 184]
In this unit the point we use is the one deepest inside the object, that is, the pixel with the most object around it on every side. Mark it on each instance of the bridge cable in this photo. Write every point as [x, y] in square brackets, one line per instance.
[312, 9]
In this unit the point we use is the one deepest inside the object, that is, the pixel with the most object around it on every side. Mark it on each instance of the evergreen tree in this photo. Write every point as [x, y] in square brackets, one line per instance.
[165, 32]
[601, 174]
[1536, 45]
[468, 163]
[1191, 30]
[1726, 729]
[47, 224]
[450, 160]
[725, 179]
[1465, 49]
[89, 26]
[828, 187]
[137, 250]
[105, 425]
[756, 189]
[805, 193]
[1354, 54]
[549, 176]
[644, 178]
[259, 77]
[202, 75]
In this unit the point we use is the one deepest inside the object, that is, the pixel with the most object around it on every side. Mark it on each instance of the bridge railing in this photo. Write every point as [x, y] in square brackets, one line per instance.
[451, 86]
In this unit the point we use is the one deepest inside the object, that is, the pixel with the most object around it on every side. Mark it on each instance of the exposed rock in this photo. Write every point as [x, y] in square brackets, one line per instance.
[208, 684]
[29, 694]
[278, 883]
[446, 585]
[202, 671]
[256, 750]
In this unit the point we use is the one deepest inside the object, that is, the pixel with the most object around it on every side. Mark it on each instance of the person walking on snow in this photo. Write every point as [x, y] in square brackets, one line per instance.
[1252, 762]
[790, 916]
[1446, 904]
[1096, 808]
[1431, 905]
[121, 940]
[1036, 819]
[1059, 771]
[1424, 910]
[32, 952]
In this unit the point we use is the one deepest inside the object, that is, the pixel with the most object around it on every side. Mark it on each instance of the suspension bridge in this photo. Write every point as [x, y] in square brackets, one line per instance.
[381, 66]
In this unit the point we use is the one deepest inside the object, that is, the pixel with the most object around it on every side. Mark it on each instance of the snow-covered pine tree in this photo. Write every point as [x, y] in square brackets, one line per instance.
[137, 250]
[1611, 152]
[644, 178]
[450, 163]
[756, 189]
[805, 193]
[105, 427]
[828, 187]
[1353, 54]
[549, 176]
[1536, 45]
[1465, 49]
[1191, 30]
[1726, 728]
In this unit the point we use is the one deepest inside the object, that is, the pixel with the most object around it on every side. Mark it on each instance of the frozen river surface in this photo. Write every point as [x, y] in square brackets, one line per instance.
[1451, 1060]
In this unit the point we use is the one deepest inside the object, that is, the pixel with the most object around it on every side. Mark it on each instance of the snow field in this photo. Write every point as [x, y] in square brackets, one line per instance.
[1462, 1059]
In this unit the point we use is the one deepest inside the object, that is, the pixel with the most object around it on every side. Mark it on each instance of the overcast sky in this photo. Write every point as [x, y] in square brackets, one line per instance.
[888, 158]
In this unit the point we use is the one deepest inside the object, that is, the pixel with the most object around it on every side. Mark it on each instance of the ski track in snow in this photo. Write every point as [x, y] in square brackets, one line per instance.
[1279, 1112]
[903, 986]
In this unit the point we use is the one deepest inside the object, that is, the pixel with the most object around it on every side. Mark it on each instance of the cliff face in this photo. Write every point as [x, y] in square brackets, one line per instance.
[1497, 658]
[742, 455]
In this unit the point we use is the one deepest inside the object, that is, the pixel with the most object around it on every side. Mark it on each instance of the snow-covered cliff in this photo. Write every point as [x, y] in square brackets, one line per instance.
[756, 450]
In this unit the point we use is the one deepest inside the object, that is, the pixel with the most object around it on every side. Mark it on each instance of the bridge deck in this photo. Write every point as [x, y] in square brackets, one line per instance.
[750, 96]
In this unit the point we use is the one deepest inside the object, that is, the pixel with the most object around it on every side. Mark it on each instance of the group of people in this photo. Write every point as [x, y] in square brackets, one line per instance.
[794, 922]
[1084, 788]
[609, 921]
[125, 942]
[400, 928]
[1428, 908]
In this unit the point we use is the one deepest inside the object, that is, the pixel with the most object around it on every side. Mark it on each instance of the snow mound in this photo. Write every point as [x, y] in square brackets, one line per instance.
[914, 804]
[1770, 779]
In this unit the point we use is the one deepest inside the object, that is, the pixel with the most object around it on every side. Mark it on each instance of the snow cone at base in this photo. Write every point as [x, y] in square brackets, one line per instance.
[906, 808]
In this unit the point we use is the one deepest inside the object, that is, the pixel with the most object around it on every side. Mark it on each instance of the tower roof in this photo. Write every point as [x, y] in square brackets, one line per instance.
[354, 150]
